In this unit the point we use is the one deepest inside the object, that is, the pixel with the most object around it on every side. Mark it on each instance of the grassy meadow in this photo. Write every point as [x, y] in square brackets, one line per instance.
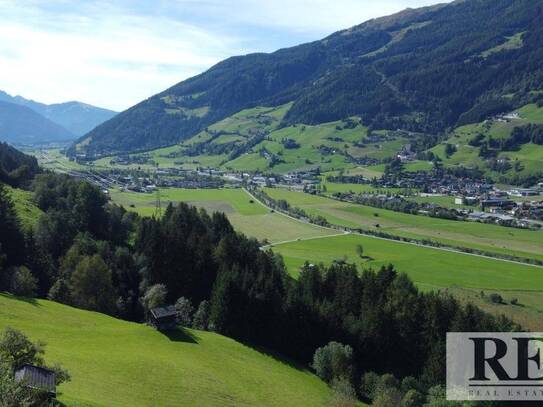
[27, 211]
[115, 363]
[492, 238]
[251, 218]
[432, 269]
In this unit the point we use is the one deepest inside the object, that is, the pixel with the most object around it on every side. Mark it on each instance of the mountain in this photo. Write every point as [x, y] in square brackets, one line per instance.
[22, 125]
[421, 70]
[78, 118]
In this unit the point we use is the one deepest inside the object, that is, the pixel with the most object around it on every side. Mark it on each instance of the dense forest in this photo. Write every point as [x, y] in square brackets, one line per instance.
[16, 168]
[423, 70]
[92, 254]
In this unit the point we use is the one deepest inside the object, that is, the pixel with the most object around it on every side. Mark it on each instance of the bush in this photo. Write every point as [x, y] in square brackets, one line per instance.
[23, 283]
[387, 398]
[495, 298]
[154, 297]
[333, 361]
[368, 385]
[514, 301]
[16, 349]
[184, 310]
[60, 292]
[412, 398]
[343, 393]
[201, 317]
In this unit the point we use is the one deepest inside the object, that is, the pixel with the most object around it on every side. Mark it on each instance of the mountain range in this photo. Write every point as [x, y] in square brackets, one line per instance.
[423, 70]
[27, 121]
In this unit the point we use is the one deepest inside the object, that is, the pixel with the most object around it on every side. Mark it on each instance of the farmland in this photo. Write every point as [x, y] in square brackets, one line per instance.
[144, 367]
[492, 238]
[253, 219]
[430, 269]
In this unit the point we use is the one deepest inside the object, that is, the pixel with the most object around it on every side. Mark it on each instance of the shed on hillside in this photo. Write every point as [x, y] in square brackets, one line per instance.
[164, 318]
[38, 378]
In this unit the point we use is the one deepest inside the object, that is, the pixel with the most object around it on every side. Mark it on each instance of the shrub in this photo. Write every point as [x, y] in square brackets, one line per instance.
[184, 310]
[333, 361]
[16, 349]
[368, 385]
[343, 393]
[201, 317]
[387, 398]
[412, 398]
[496, 298]
[23, 282]
[155, 296]
[60, 292]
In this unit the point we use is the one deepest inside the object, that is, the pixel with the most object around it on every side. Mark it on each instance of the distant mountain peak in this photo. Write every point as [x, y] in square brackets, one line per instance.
[77, 117]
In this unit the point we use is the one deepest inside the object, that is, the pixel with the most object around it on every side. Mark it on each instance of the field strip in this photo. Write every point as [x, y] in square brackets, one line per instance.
[384, 238]
[285, 214]
[305, 239]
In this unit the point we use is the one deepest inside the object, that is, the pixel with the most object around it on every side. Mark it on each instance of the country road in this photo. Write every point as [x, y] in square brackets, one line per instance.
[447, 249]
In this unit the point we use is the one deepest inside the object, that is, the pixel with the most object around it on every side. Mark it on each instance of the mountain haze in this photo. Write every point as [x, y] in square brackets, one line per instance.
[22, 125]
[423, 70]
[76, 117]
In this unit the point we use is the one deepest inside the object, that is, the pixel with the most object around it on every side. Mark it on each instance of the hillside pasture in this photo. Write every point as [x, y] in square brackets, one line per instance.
[116, 363]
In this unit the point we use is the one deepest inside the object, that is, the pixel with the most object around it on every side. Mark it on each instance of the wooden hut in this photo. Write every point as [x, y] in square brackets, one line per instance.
[164, 318]
[38, 378]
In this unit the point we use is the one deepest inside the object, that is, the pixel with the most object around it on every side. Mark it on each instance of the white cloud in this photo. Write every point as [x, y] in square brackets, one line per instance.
[116, 53]
[114, 61]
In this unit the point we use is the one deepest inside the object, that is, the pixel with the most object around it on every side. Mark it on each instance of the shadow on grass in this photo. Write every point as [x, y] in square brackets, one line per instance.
[279, 358]
[28, 300]
[180, 335]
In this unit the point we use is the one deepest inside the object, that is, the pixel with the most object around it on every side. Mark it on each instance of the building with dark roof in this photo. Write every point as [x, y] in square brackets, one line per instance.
[38, 378]
[164, 318]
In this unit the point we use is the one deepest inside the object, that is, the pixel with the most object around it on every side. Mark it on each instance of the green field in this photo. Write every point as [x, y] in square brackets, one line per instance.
[492, 238]
[429, 268]
[253, 219]
[118, 363]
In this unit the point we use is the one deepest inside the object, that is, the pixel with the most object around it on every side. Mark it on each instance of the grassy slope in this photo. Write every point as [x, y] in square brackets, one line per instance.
[118, 363]
[253, 219]
[467, 234]
[241, 127]
[530, 156]
[27, 211]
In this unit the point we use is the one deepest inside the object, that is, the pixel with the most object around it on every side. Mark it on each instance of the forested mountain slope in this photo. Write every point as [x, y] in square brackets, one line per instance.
[423, 70]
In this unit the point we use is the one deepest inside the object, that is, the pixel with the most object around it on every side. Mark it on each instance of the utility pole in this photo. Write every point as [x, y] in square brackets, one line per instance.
[158, 203]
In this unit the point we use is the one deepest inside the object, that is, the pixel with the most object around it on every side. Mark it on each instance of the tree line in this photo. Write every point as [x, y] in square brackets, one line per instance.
[95, 255]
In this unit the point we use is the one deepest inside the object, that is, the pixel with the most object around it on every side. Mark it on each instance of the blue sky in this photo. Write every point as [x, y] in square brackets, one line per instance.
[116, 53]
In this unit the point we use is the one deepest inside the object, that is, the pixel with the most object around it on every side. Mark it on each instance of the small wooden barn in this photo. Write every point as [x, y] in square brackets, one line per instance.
[164, 318]
[38, 378]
